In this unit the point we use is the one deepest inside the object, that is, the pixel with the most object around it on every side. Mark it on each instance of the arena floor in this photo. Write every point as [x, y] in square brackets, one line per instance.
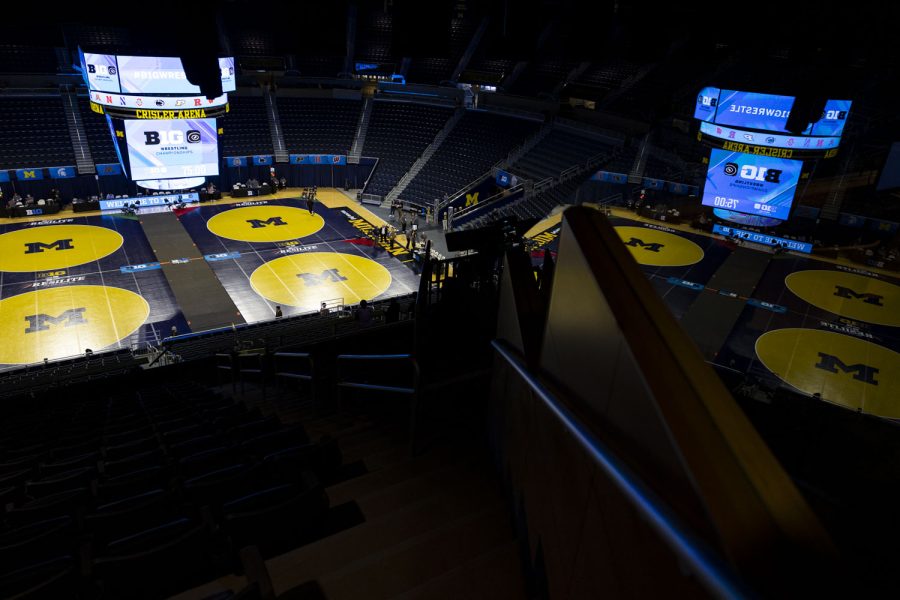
[818, 326]
[73, 283]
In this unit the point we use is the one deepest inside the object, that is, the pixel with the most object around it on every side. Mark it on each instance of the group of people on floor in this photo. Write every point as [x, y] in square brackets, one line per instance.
[16, 199]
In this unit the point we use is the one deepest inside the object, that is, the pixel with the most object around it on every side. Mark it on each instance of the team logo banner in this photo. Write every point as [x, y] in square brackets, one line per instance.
[262, 160]
[62, 172]
[29, 174]
[236, 161]
[610, 177]
[4, 176]
[109, 169]
[883, 226]
[318, 159]
[851, 220]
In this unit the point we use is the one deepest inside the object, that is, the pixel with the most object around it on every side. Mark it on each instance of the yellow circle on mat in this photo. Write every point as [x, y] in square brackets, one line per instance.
[65, 321]
[268, 223]
[306, 280]
[55, 247]
[843, 369]
[849, 295]
[659, 248]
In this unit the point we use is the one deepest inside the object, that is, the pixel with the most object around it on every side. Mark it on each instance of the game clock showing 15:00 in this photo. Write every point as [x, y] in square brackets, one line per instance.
[751, 184]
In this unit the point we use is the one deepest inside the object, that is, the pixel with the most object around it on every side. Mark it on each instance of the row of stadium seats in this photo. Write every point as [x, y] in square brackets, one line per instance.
[246, 127]
[479, 141]
[318, 125]
[398, 134]
[96, 129]
[169, 480]
[542, 76]
[27, 59]
[559, 150]
[436, 69]
[33, 133]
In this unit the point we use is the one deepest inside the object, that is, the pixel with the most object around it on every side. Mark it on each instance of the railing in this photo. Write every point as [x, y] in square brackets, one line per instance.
[310, 327]
[351, 366]
[492, 203]
[699, 560]
[461, 191]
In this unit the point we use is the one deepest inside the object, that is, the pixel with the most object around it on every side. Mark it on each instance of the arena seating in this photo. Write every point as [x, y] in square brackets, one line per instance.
[559, 150]
[541, 77]
[500, 67]
[251, 43]
[97, 131]
[34, 133]
[317, 66]
[246, 127]
[318, 125]
[124, 481]
[27, 59]
[435, 69]
[479, 141]
[663, 88]
[95, 36]
[398, 133]
[374, 36]
[608, 75]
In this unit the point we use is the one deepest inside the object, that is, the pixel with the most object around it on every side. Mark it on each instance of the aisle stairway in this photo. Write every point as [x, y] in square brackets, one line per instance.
[436, 526]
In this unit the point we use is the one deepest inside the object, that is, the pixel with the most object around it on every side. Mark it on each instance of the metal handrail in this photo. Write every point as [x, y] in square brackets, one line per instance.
[487, 201]
[705, 565]
[459, 193]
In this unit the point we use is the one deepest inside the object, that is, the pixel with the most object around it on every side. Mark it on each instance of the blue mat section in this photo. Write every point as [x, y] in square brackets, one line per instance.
[126, 268]
[234, 261]
[739, 352]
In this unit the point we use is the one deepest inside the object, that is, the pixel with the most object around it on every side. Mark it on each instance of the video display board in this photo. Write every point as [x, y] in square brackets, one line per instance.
[146, 75]
[101, 72]
[765, 112]
[751, 184]
[170, 149]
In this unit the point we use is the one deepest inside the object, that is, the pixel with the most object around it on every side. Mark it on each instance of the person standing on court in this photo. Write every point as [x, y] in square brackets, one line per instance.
[310, 200]
[278, 313]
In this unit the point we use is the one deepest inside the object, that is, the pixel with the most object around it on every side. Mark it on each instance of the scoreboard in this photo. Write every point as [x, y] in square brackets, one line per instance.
[164, 131]
[133, 87]
[756, 163]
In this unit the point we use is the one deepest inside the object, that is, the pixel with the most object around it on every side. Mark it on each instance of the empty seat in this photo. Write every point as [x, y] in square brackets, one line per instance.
[46, 579]
[272, 517]
[151, 458]
[35, 541]
[71, 503]
[61, 482]
[133, 483]
[181, 549]
[130, 515]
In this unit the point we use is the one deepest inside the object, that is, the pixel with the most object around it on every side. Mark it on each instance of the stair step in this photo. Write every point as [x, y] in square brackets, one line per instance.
[493, 575]
[409, 564]
[335, 552]
[388, 489]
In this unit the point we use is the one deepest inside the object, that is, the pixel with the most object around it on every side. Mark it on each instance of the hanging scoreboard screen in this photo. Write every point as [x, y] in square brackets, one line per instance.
[765, 112]
[751, 184]
[152, 75]
[101, 72]
[172, 149]
[146, 75]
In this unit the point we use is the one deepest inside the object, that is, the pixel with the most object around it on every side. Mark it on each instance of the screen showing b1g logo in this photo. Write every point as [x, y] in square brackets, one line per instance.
[176, 148]
[751, 184]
